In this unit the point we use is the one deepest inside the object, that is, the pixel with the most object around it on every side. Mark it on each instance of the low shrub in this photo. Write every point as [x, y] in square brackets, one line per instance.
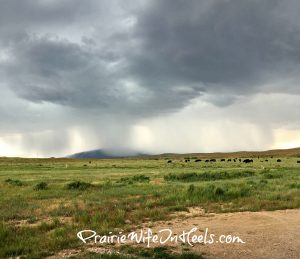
[272, 175]
[137, 178]
[294, 185]
[263, 181]
[14, 182]
[78, 185]
[41, 186]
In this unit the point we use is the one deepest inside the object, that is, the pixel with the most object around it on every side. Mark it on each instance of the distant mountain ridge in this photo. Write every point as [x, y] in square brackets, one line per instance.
[99, 153]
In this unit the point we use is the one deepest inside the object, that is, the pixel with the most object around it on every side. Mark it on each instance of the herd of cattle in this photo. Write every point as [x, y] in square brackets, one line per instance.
[247, 160]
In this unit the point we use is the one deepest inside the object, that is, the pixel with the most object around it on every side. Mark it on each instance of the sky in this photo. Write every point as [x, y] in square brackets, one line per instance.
[148, 76]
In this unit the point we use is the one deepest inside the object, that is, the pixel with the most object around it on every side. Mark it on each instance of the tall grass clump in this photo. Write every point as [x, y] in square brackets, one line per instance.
[207, 176]
[212, 192]
[78, 185]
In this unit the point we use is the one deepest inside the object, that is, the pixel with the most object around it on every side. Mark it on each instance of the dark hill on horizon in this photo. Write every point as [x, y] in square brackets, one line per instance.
[99, 153]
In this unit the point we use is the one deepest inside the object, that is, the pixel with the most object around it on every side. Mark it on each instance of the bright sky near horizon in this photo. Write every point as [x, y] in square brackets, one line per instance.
[149, 76]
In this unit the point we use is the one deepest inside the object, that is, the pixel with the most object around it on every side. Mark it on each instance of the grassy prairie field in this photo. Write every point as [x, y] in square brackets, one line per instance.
[45, 202]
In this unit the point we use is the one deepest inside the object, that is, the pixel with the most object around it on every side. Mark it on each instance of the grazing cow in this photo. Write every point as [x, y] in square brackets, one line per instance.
[223, 160]
[198, 160]
[240, 160]
[267, 160]
[213, 160]
[234, 160]
[187, 160]
[169, 161]
[278, 160]
[298, 161]
[206, 160]
[228, 160]
[248, 161]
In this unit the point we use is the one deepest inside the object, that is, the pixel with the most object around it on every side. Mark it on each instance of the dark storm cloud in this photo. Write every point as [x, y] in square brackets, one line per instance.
[78, 75]
[172, 53]
[229, 45]
[58, 71]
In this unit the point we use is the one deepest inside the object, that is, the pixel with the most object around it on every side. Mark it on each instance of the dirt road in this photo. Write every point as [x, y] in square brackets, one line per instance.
[268, 234]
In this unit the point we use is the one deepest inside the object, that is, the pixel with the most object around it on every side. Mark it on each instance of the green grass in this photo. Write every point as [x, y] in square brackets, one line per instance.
[56, 198]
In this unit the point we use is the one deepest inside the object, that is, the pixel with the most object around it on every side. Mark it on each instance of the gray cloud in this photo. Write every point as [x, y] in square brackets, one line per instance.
[17, 14]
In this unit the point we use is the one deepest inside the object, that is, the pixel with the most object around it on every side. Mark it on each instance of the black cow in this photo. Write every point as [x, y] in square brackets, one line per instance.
[206, 160]
[240, 160]
[187, 160]
[213, 160]
[267, 160]
[278, 160]
[223, 160]
[298, 161]
[198, 160]
[248, 161]
[169, 161]
[234, 160]
[228, 160]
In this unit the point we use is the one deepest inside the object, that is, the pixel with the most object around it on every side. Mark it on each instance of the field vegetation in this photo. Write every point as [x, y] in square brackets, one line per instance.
[45, 202]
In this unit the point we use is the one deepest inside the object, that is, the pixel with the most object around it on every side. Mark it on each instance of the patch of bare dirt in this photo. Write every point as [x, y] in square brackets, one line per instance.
[268, 234]
[67, 253]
